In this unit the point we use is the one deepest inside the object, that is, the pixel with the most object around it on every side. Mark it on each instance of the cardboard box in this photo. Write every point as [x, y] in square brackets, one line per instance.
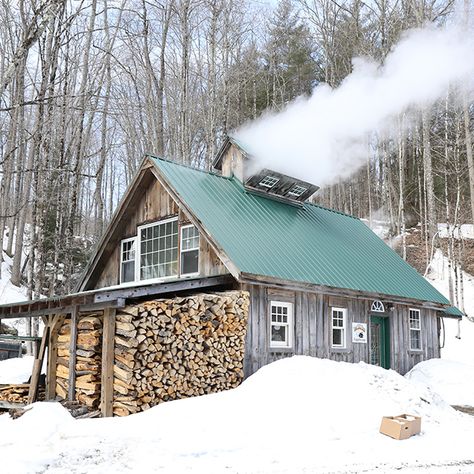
[400, 427]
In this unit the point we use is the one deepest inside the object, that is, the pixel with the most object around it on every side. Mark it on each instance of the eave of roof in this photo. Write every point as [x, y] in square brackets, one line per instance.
[453, 312]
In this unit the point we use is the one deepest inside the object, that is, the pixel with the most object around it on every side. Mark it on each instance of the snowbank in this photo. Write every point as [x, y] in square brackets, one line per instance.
[296, 414]
[456, 349]
[17, 370]
[453, 381]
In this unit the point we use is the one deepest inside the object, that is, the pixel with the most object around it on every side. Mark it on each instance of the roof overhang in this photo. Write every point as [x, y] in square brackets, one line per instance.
[339, 292]
[110, 297]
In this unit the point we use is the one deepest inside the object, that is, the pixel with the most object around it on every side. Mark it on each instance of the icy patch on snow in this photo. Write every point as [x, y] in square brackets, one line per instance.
[454, 381]
[296, 414]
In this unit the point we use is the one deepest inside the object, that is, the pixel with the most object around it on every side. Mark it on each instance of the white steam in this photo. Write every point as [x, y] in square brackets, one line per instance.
[324, 137]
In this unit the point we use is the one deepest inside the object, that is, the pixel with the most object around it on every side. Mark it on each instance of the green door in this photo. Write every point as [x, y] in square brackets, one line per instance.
[379, 342]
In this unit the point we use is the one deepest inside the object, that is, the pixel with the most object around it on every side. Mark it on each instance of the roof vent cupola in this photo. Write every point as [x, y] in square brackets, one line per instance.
[233, 159]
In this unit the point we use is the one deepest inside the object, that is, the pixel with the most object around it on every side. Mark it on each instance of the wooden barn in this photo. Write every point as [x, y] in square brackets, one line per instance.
[204, 277]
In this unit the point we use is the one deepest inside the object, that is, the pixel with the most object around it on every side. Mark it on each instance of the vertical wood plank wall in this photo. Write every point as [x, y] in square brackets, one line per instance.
[312, 330]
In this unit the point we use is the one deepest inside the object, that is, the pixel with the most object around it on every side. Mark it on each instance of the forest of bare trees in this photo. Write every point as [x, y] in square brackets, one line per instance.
[89, 86]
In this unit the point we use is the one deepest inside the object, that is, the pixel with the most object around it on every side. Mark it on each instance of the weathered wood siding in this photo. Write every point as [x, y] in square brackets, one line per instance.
[312, 330]
[233, 163]
[155, 204]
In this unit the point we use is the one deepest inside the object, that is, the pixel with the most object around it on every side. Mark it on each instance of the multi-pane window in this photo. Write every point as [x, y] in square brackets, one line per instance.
[269, 181]
[189, 250]
[159, 250]
[127, 260]
[281, 316]
[415, 329]
[338, 317]
[377, 307]
[297, 191]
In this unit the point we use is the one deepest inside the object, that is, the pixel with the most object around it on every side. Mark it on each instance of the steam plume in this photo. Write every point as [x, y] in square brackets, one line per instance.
[323, 137]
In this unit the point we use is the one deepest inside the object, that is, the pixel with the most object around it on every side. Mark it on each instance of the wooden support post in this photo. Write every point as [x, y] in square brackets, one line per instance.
[37, 365]
[107, 380]
[72, 355]
[55, 323]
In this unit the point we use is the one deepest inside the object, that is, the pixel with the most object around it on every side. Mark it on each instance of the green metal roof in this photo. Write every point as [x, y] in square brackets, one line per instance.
[308, 244]
[453, 312]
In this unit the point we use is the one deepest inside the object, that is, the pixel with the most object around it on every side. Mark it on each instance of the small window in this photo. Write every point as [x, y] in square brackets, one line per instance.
[338, 316]
[377, 307]
[415, 330]
[189, 250]
[269, 181]
[127, 260]
[281, 317]
[297, 191]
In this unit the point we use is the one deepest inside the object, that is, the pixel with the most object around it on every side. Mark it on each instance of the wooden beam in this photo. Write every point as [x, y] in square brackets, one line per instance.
[32, 313]
[107, 377]
[161, 288]
[72, 355]
[86, 307]
[55, 324]
[37, 365]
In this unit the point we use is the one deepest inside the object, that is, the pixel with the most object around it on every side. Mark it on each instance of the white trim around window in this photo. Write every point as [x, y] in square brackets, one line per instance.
[414, 324]
[128, 255]
[281, 324]
[339, 328]
[189, 250]
[167, 251]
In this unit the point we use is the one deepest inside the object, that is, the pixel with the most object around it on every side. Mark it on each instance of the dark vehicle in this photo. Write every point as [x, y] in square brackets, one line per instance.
[10, 350]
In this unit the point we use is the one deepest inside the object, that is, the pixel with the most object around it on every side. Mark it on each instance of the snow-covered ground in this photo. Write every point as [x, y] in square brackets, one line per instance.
[453, 381]
[455, 348]
[465, 231]
[17, 370]
[299, 414]
[296, 415]
[8, 292]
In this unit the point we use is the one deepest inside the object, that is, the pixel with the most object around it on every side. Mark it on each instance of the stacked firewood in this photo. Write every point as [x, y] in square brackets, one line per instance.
[88, 360]
[178, 348]
[18, 393]
[62, 365]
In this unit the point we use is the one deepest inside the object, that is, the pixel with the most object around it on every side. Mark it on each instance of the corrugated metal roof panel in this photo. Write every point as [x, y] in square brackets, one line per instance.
[452, 311]
[308, 244]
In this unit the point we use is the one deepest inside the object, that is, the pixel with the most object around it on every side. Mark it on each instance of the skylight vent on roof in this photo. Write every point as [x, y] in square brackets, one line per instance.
[269, 181]
[297, 191]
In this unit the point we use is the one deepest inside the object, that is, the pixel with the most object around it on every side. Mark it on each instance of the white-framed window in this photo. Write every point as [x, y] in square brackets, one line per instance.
[281, 320]
[377, 307]
[338, 324]
[297, 191]
[127, 260]
[158, 245]
[269, 181]
[415, 329]
[189, 250]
